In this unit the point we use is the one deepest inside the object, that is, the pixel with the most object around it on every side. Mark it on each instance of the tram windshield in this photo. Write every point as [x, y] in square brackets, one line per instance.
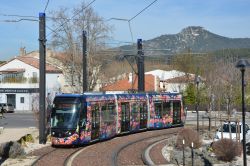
[65, 115]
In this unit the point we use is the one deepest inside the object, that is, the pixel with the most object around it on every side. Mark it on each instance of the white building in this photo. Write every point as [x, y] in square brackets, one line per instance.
[19, 82]
[173, 80]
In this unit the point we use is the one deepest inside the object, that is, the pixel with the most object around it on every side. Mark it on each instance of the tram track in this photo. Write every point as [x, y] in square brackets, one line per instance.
[42, 156]
[108, 152]
[58, 156]
[147, 160]
[135, 150]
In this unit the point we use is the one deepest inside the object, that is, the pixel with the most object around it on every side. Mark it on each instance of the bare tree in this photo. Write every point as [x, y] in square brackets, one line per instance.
[67, 38]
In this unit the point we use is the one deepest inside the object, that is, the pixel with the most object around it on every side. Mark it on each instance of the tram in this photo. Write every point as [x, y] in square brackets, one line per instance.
[78, 119]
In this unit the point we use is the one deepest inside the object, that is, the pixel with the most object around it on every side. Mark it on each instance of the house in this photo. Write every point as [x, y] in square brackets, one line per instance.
[19, 81]
[131, 83]
[173, 80]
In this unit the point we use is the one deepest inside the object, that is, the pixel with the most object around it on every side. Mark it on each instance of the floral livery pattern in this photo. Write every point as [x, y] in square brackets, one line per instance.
[134, 100]
[72, 140]
[162, 120]
[107, 129]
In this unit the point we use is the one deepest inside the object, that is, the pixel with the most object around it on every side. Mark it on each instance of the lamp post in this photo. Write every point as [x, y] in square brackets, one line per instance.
[192, 153]
[197, 82]
[242, 64]
[183, 142]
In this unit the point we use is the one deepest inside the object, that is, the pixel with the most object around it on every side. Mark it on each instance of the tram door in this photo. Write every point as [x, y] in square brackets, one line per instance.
[125, 126]
[176, 112]
[95, 122]
[143, 115]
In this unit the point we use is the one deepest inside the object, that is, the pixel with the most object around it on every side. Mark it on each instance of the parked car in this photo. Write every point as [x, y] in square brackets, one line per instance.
[7, 107]
[226, 131]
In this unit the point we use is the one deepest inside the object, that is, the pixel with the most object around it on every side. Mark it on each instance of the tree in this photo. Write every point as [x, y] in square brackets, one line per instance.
[67, 38]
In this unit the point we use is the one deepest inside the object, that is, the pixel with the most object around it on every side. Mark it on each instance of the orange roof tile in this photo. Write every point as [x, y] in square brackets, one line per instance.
[35, 63]
[125, 85]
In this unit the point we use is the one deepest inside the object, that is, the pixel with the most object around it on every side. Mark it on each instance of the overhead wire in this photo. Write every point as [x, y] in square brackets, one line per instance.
[72, 17]
[142, 10]
[46, 5]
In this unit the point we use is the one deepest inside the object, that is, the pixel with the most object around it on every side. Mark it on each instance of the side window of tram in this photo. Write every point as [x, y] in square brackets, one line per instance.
[158, 110]
[83, 118]
[134, 111]
[176, 108]
[166, 108]
[95, 115]
[108, 113]
[143, 110]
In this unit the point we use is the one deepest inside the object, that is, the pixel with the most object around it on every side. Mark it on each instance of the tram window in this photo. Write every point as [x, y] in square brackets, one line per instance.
[166, 108]
[83, 118]
[176, 105]
[108, 113]
[158, 110]
[134, 111]
[143, 110]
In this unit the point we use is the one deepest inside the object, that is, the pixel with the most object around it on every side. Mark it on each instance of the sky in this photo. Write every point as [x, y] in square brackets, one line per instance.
[229, 18]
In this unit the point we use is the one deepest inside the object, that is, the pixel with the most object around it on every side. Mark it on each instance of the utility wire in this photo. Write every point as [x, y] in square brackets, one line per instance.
[142, 10]
[71, 18]
[16, 15]
[19, 20]
[46, 5]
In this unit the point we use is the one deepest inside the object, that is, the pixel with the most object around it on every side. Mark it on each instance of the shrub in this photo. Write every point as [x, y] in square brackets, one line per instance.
[189, 135]
[226, 149]
[16, 150]
[11, 149]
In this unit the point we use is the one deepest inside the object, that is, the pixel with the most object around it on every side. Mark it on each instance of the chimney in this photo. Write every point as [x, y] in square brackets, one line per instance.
[22, 51]
[130, 77]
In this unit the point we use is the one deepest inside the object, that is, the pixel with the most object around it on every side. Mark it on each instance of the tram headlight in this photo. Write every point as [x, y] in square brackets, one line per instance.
[69, 133]
[53, 133]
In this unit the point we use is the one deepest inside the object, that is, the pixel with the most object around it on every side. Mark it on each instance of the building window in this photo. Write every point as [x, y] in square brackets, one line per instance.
[34, 74]
[22, 100]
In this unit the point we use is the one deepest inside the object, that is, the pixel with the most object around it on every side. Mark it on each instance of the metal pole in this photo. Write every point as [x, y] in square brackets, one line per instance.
[242, 64]
[243, 116]
[42, 78]
[140, 67]
[84, 63]
[197, 104]
[183, 141]
[192, 151]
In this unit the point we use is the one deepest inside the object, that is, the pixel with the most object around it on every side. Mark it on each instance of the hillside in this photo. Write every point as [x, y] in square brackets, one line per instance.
[194, 38]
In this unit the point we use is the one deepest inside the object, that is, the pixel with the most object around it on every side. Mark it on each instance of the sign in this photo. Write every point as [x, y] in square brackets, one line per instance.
[19, 90]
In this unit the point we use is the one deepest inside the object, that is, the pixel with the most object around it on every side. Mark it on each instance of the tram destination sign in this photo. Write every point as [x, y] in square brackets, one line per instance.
[19, 90]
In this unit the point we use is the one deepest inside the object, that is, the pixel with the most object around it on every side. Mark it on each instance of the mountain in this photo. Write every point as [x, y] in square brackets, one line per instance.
[194, 38]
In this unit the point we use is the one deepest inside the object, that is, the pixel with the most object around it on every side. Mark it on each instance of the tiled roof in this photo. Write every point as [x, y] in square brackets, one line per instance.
[125, 85]
[35, 63]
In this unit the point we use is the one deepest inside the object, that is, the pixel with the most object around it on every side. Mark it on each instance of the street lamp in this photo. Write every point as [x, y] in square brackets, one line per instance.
[242, 64]
[197, 82]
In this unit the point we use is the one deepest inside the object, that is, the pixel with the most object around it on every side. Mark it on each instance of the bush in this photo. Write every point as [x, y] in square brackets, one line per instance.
[189, 135]
[16, 150]
[11, 149]
[26, 138]
[226, 149]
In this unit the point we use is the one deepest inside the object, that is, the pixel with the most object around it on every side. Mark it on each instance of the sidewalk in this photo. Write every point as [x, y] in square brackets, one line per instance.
[14, 134]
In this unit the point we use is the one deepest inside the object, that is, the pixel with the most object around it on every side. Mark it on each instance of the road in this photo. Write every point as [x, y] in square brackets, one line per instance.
[23, 120]
[18, 120]
[192, 118]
